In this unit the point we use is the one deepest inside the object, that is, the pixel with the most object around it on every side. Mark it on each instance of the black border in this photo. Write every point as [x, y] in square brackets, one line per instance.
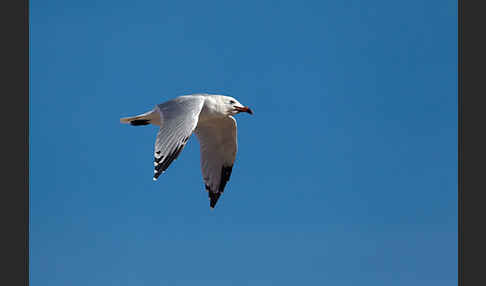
[471, 142]
[14, 194]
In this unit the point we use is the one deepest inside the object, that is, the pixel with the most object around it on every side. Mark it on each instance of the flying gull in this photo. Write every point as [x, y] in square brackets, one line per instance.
[211, 118]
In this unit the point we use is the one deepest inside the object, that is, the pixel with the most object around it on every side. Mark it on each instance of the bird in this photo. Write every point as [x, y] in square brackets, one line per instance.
[210, 116]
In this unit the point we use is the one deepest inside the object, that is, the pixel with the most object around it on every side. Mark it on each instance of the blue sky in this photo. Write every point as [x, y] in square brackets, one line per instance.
[346, 174]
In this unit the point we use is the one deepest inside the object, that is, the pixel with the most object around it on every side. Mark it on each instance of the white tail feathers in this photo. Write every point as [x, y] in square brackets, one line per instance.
[151, 117]
[130, 119]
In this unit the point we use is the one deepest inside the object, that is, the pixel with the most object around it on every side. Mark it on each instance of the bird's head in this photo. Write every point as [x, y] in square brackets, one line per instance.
[233, 106]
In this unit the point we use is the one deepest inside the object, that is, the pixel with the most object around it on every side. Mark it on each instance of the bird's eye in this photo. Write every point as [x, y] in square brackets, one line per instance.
[232, 102]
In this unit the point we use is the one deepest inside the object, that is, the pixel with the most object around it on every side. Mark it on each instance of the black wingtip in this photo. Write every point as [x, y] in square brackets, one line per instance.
[225, 176]
[213, 199]
[213, 195]
[140, 122]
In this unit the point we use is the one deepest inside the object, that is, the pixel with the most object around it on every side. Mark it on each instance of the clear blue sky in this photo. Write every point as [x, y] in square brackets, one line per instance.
[346, 173]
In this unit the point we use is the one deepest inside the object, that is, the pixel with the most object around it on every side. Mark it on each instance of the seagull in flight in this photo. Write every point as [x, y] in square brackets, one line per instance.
[210, 116]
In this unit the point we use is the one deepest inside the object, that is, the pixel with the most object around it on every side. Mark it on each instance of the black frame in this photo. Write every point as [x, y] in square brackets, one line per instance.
[471, 142]
[14, 194]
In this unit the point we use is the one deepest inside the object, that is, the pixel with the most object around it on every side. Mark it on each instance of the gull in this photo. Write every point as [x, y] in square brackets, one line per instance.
[210, 116]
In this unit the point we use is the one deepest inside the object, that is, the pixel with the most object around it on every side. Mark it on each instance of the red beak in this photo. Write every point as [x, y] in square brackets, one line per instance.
[244, 109]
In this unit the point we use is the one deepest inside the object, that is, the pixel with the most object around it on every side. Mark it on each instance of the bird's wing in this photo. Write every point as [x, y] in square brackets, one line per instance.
[218, 143]
[178, 118]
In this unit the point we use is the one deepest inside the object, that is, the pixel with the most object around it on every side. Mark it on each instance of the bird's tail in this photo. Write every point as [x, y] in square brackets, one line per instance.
[151, 117]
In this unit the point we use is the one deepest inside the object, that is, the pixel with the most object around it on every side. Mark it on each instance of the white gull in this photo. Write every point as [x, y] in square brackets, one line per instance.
[210, 117]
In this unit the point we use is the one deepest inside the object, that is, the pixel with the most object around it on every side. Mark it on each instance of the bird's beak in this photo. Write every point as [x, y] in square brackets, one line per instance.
[243, 109]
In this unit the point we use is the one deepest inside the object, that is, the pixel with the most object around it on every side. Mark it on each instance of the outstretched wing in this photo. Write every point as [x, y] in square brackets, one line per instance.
[178, 118]
[218, 143]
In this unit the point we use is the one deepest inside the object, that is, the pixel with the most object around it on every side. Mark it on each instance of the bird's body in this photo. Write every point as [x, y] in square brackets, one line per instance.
[210, 117]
